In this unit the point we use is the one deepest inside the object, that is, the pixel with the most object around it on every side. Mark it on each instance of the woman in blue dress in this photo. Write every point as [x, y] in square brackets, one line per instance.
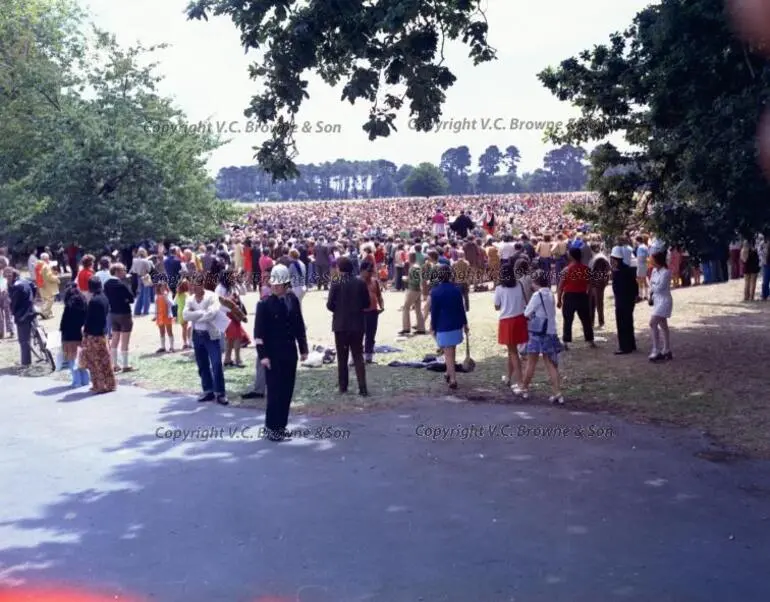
[448, 319]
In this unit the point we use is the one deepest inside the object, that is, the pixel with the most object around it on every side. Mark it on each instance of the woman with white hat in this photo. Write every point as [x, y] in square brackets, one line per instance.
[625, 289]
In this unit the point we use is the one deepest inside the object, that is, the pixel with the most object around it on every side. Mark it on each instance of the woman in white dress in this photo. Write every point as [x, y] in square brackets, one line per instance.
[662, 306]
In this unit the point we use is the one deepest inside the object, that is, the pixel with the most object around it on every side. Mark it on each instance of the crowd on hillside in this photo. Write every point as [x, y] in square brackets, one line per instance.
[436, 251]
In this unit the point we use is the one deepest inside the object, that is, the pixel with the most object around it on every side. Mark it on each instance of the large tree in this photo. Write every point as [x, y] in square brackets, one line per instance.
[426, 180]
[91, 152]
[687, 95]
[384, 52]
[455, 165]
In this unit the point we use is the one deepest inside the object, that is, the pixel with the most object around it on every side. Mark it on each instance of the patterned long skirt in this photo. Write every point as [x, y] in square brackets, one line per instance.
[96, 359]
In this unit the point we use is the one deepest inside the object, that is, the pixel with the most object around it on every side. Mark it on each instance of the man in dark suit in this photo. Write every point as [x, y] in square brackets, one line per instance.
[462, 225]
[173, 266]
[348, 298]
[303, 257]
[279, 329]
[625, 289]
[22, 294]
[322, 264]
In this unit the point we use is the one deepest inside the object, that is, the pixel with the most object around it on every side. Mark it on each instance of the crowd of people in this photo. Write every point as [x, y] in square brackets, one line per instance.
[536, 257]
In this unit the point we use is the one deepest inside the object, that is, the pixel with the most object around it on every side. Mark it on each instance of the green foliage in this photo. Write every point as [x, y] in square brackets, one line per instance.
[688, 95]
[343, 179]
[426, 180]
[383, 52]
[91, 153]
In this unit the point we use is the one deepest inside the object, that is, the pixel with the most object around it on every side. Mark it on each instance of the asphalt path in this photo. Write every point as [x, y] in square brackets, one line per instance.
[153, 495]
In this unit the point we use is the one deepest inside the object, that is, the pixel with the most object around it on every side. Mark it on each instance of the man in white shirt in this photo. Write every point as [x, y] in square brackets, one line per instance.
[203, 310]
[507, 248]
[31, 263]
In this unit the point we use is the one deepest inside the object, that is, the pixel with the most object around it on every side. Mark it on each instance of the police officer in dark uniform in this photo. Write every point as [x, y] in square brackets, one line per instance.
[279, 329]
[625, 290]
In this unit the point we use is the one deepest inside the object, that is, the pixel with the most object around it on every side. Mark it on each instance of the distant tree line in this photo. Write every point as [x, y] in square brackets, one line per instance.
[565, 169]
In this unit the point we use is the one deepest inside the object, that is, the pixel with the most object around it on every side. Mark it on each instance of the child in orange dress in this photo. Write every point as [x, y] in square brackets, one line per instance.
[382, 274]
[164, 316]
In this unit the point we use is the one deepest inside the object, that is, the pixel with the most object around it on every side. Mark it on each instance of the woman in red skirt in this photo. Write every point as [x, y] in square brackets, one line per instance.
[511, 301]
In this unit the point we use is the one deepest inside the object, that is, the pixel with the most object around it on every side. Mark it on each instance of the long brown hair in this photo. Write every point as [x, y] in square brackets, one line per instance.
[660, 259]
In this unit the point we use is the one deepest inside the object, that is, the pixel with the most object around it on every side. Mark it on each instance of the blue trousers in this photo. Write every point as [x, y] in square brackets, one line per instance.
[142, 304]
[311, 277]
[765, 282]
[208, 357]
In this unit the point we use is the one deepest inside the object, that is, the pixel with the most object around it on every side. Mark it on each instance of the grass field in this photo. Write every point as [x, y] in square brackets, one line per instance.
[716, 383]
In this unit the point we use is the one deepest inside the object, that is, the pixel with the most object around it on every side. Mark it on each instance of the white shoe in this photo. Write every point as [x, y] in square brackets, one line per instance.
[557, 399]
[506, 380]
[521, 392]
[653, 355]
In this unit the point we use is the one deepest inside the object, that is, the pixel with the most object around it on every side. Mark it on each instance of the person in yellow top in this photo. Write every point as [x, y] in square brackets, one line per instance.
[48, 285]
[493, 262]
[462, 270]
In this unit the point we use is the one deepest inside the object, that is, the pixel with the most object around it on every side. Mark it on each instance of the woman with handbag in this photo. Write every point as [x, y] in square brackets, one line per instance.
[543, 340]
[448, 319]
[662, 305]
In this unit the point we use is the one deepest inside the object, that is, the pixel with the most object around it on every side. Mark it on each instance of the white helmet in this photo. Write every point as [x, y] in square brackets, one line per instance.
[280, 275]
[618, 252]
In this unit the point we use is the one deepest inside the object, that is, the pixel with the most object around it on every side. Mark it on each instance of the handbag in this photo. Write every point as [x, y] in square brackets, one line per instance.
[469, 364]
[537, 325]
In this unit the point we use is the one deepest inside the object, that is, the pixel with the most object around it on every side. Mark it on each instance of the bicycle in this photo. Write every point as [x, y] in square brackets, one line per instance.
[38, 343]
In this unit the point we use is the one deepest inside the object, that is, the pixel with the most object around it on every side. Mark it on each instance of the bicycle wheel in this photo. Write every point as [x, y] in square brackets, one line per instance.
[39, 348]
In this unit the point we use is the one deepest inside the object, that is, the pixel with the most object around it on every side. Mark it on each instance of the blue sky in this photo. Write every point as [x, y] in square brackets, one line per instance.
[205, 71]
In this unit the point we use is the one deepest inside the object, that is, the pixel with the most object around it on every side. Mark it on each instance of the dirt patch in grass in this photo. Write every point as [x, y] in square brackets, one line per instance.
[716, 383]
